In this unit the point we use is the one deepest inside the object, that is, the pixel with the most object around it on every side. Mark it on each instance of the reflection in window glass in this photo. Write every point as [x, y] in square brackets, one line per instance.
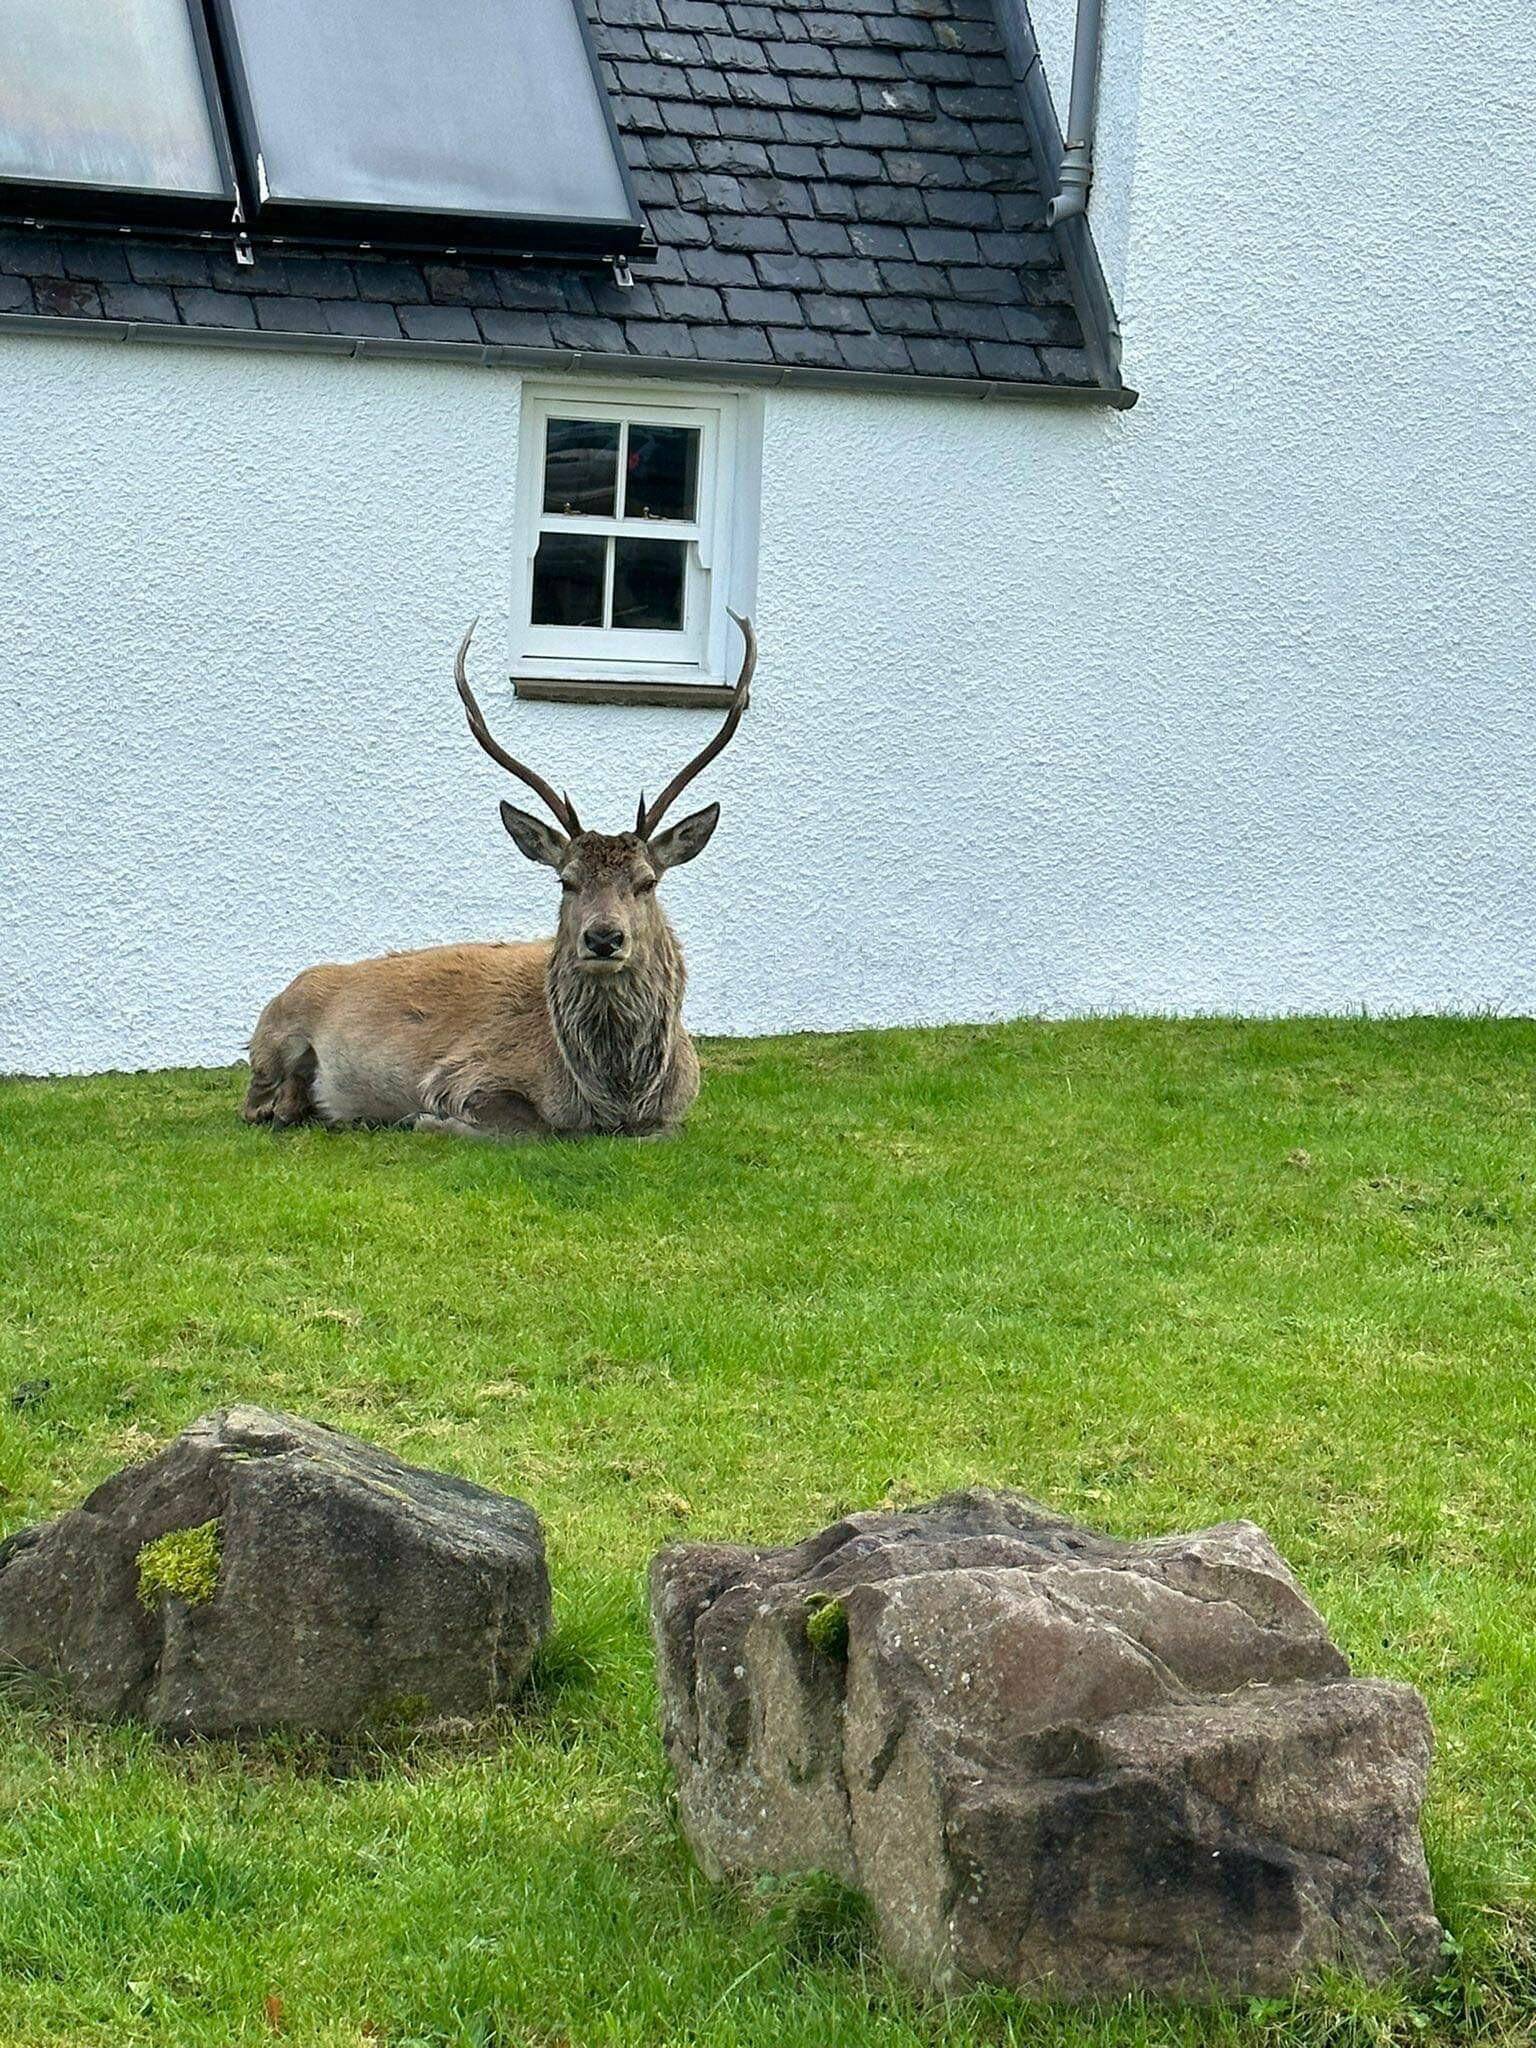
[661, 479]
[568, 579]
[648, 585]
[581, 467]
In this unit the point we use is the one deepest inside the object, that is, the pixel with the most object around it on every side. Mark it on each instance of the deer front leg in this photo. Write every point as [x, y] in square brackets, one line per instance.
[461, 1127]
[493, 1120]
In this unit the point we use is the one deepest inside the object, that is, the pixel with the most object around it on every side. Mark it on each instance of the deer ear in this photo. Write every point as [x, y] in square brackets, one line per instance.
[683, 840]
[533, 838]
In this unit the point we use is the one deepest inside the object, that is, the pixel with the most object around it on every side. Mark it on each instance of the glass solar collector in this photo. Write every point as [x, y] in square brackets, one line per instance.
[404, 111]
[415, 122]
[111, 98]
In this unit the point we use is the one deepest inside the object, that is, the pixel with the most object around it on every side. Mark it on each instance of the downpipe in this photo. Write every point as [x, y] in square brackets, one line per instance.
[1075, 180]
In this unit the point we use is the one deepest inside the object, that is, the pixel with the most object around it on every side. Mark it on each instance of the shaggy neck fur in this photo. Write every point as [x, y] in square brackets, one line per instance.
[617, 1033]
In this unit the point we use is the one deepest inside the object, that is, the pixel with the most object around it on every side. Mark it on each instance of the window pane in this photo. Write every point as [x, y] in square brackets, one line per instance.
[581, 467]
[568, 579]
[662, 479]
[648, 584]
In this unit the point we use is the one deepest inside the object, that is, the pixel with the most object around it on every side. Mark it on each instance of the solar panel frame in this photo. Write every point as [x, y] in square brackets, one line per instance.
[332, 220]
[98, 204]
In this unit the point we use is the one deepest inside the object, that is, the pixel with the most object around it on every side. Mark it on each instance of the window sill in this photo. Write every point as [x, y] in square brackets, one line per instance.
[587, 690]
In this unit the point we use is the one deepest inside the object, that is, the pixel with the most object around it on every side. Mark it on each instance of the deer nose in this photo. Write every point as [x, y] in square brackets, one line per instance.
[602, 941]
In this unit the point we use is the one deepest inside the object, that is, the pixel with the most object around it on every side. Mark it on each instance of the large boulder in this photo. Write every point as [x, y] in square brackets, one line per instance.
[1050, 1759]
[264, 1571]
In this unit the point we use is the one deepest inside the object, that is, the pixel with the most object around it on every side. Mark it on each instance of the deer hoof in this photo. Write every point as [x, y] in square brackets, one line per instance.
[446, 1126]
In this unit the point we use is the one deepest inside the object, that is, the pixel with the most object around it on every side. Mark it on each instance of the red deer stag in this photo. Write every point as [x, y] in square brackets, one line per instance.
[538, 1038]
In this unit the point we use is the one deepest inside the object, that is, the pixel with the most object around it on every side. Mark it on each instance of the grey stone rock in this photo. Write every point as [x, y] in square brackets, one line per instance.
[349, 1586]
[1050, 1759]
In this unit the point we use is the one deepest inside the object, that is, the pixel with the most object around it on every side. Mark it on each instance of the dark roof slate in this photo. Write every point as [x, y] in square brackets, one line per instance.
[843, 185]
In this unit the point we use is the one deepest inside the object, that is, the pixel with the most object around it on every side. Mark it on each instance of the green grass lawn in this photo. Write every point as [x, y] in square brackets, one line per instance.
[1156, 1274]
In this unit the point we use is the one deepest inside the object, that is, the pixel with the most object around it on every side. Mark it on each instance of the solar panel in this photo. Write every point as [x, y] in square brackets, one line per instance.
[475, 121]
[110, 99]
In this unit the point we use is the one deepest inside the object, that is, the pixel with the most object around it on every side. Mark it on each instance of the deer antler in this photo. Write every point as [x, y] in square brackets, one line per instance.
[561, 807]
[649, 818]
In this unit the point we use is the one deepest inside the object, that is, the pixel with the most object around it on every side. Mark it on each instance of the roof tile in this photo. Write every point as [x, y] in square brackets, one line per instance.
[796, 159]
[450, 284]
[1010, 359]
[904, 316]
[945, 245]
[400, 283]
[718, 266]
[290, 315]
[874, 352]
[805, 347]
[172, 263]
[941, 356]
[26, 253]
[66, 298]
[761, 124]
[788, 273]
[826, 309]
[891, 203]
[660, 337]
[439, 323]
[775, 308]
[102, 260]
[321, 277]
[1067, 365]
[367, 319]
[507, 329]
[853, 274]
[732, 155]
[201, 307]
[576, 330]
[820, 237]
[880, 238]
[750, 232]
[139, 302]
[529, 290]
[690, 302]
[733, 344]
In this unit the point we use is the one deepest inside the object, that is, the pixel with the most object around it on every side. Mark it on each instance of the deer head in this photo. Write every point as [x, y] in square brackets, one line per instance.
[609, 915]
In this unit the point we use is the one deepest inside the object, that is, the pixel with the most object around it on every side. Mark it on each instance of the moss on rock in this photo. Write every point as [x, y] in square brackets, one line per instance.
[183, 1563]
[826, 1629]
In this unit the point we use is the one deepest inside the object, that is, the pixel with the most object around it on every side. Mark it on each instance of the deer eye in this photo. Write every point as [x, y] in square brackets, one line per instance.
[646, 888]
[568, 887]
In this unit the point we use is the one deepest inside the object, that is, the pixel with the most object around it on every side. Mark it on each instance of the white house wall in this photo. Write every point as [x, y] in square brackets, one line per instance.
[1221, 704]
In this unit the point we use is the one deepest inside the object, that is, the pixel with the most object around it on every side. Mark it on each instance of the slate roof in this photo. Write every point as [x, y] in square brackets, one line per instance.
[833, 186]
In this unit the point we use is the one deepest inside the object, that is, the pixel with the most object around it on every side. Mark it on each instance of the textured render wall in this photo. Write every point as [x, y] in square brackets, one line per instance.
[1220, 704]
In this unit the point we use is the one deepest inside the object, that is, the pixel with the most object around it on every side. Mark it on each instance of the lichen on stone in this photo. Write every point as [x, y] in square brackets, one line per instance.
[826, 1629]
[183, 1563]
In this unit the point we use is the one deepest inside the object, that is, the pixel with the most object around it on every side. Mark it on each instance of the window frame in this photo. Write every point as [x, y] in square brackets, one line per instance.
[721, 539]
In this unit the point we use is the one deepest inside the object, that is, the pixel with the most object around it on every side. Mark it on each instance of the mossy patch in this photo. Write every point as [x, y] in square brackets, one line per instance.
[826, 1630]
[399, 1710]
[183, 1563]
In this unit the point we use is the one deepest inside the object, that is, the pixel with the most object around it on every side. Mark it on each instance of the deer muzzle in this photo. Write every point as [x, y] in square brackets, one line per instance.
[604, 945]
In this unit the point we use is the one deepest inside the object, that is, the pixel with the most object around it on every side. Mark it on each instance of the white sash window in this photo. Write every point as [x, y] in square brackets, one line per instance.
[634, 533]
